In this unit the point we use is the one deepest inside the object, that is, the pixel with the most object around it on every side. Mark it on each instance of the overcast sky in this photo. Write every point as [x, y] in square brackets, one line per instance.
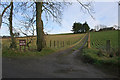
[106, 13]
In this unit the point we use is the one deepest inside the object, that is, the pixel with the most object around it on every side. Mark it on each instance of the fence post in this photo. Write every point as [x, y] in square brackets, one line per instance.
[58, 44]
[63, 43]
[108, 46]
[89, 40]
[67, 42]
[50, 43]
[54, 43]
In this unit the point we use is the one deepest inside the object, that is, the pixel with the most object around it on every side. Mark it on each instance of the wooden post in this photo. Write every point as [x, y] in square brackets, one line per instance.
[108, 46]
[54, 43]
[89, 40]
[58, 44]
[50, 43]
[63, 43]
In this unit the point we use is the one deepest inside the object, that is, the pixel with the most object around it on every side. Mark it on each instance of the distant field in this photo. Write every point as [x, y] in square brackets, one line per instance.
[98, 39]
[60, 41]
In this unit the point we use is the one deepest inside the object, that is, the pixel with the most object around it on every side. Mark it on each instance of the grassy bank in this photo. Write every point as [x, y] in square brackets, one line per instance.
[95, 56]
[14, 53]
[104, 62]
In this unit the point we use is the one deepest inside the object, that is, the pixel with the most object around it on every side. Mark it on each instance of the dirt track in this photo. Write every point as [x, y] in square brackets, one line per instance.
[62, 64]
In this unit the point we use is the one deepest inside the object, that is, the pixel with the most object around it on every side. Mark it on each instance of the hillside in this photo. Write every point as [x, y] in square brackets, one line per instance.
[98, 39]
[53, 43]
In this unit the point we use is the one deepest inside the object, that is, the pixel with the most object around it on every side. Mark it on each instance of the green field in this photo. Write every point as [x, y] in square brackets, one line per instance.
[69, 41]
[98, 39]
[97, 54]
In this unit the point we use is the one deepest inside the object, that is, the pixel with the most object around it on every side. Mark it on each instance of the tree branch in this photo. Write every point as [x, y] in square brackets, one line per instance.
[6, 8]
[86, 8]
[50, 11]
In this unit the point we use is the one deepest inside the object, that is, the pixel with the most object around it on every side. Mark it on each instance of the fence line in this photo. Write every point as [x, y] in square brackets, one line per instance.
[60, 44]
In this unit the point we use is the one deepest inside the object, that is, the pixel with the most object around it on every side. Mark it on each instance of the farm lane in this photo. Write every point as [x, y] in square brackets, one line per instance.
[62, 64]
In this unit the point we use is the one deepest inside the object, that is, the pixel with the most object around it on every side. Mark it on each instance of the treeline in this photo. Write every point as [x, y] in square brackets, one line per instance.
[80, 28]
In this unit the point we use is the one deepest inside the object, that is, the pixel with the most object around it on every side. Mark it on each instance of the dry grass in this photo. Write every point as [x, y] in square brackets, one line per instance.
[68, 41]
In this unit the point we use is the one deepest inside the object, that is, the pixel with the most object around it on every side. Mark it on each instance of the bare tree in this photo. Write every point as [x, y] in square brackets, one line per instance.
[10, 19]
[52, 10]
[0, 20]
[97, 27]
[88, 7]
[5, 6]
[27, 27]
[100, 26]
[13, 43]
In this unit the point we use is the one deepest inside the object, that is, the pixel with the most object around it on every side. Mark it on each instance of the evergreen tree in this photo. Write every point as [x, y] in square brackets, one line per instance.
[76, 27]
[86, 27]
[80, 28]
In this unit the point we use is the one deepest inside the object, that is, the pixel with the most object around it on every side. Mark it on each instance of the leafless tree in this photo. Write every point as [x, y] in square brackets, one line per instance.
[10, 19]
[13, 43]
[88, 7]
[27, 27]
[52, 10]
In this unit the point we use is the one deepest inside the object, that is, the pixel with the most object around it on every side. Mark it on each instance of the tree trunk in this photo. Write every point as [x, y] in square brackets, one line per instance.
[39, 25]
[13, 43]
[89, 40]
[43, 38]
[0, 20]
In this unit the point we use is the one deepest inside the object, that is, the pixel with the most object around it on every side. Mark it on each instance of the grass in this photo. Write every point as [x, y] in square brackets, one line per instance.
[91, 56]
[73, 39]
[66, 38]
[98, 39]
[14, 53]
[97, 54]
[107, 64]
[65, 34]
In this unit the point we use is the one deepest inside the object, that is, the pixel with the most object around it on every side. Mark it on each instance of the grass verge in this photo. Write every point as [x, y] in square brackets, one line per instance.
[14, 53]
[92, 56]
[105, 63]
